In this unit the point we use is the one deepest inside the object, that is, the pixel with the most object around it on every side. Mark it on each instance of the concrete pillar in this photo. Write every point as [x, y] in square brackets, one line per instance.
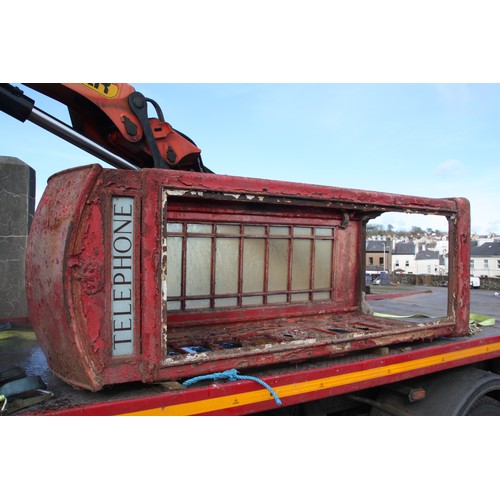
[17, 207]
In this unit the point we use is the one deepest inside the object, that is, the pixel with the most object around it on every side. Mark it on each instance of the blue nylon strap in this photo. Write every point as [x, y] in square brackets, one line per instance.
[232, 376]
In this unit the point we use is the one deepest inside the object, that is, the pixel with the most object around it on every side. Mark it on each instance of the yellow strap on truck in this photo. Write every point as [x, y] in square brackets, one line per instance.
[477, 319]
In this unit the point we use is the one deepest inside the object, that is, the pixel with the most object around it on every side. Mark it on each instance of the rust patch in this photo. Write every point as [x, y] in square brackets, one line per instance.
[91, 278]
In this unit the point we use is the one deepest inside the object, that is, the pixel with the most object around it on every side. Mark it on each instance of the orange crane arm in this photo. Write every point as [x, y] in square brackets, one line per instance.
[113, 116]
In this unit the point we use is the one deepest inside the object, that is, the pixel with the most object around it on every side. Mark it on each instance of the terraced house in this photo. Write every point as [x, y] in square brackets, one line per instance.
[485, 260]
[403, 258]
[378, 256]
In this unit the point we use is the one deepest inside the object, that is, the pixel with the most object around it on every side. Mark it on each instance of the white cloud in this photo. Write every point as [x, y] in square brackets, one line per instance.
[484, 211]
[450, 167]
[455, 95]
[405, 221]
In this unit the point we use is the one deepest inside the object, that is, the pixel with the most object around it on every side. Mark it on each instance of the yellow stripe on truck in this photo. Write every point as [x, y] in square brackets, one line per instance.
[295, 389]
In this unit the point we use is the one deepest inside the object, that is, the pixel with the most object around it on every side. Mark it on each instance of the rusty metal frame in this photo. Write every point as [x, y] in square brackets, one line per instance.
[69, 235]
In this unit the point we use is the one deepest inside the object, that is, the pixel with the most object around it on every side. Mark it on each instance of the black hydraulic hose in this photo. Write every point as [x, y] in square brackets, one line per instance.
[200, 161]
[14, 102]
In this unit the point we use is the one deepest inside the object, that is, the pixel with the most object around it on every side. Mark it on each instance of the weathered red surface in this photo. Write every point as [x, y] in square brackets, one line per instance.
[82, 304]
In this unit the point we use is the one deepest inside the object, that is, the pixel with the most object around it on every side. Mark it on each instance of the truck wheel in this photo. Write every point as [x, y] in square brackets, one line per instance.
[460, 391]
[485, 406]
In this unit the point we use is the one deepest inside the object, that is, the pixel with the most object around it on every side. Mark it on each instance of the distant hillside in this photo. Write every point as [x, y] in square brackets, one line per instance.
[389, 231]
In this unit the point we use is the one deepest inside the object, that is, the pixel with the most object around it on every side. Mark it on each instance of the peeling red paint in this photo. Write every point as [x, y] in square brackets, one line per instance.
[77, 313]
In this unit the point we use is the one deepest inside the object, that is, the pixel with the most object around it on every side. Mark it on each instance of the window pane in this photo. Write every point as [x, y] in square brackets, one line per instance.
[226, 265]
[252, 301]
[173, 306]
[277, 299]
[197, 304]
[302, 231]
[174, 227]
[228, 229]
[278, 264]
[253, 265]
[174, 266]
[198, 260]
[199, 228]
[254, 230]
[323, 264]
[226, 302]
[324, 231]
[300, 297]
[279, 231]
[301, 264]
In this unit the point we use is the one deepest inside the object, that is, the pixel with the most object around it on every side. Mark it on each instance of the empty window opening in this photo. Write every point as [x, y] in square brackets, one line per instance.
[415, 250]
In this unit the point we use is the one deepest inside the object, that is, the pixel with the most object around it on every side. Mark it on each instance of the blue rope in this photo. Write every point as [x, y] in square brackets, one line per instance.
[232, 375]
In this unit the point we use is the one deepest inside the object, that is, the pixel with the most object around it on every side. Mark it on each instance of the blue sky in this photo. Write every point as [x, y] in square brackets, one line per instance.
[435, 140]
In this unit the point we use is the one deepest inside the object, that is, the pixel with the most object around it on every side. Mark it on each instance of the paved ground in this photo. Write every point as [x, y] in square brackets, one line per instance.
[432, 301]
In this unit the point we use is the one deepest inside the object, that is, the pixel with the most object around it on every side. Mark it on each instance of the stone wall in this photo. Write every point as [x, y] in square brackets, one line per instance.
[433, 280]
[17, 206]
[490, 283]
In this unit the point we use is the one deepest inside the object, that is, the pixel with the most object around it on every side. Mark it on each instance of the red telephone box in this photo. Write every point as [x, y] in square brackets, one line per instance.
[156, 274]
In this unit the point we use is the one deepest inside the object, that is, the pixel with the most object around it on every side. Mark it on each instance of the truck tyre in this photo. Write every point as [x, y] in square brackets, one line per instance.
[456, 392]
[485, 406]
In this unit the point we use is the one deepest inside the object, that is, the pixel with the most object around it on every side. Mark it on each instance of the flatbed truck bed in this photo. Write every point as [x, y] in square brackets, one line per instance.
[335, 382]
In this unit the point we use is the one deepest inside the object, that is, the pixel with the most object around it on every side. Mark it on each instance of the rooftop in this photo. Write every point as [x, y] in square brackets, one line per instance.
[427, 254]
[486, 249]
[404, 249]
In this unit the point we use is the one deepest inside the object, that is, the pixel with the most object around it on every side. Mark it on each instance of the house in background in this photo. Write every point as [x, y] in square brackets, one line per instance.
[427, 262]
[378, 256]
[429, 256]
[481, 239]
[403, 258]
[485, 260]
